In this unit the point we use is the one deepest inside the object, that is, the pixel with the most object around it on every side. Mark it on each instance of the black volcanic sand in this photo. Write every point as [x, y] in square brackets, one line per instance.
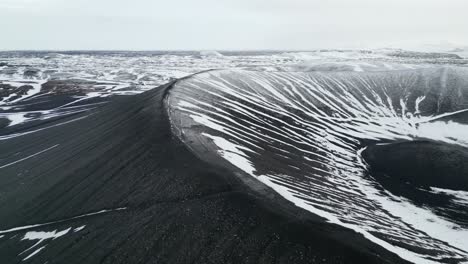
[410, 169]
[421, 163]
[178, 209]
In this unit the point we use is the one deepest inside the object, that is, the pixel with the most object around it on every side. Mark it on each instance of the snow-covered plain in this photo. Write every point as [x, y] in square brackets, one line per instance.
[26, 76]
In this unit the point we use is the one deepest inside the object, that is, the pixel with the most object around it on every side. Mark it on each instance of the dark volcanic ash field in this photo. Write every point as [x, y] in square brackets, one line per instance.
[241, 157]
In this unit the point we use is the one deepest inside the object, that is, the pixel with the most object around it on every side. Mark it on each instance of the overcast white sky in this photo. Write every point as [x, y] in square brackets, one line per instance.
[229, 24]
